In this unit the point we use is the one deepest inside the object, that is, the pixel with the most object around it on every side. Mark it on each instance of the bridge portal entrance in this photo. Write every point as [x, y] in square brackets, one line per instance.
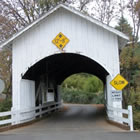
[53, 70]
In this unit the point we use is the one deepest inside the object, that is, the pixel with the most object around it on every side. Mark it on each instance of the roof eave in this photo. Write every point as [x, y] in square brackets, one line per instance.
[97, 22]
[8, 42]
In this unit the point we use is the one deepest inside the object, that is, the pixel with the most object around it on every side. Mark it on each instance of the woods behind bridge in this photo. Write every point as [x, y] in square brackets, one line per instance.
[83, 89]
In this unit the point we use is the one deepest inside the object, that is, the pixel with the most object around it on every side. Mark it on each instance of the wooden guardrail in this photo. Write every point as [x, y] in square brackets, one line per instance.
[28, 114]
[121, 115]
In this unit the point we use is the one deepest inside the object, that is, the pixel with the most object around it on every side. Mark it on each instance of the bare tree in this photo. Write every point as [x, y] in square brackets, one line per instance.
[105, 10]
[7, 28]
[83, 4]
[25, 12]
[134, 10]
[122, 7]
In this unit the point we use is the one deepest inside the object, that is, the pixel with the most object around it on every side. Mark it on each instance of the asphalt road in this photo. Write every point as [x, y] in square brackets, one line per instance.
[75, 122]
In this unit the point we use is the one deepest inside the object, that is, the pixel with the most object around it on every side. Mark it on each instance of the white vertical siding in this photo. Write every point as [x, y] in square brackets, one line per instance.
[85, 37]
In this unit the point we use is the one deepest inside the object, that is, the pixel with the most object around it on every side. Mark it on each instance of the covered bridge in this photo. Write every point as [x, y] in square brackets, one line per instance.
[62, 42]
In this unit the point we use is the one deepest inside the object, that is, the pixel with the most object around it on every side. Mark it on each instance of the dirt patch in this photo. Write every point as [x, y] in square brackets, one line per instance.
[64, 108]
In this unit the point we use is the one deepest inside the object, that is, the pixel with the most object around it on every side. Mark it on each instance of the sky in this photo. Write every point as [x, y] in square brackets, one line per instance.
[115, 20]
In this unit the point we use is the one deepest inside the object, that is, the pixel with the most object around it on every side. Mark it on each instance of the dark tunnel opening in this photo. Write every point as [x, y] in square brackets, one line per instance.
[61, 66]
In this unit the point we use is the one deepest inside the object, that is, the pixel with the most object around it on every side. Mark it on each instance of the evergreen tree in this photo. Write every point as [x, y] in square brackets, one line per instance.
[125, 27]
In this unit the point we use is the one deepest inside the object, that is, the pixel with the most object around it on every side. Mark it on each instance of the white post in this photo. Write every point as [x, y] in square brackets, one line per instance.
[130, 116]
[15, 116]
[40, 110]
[109, 95]
[109, 89]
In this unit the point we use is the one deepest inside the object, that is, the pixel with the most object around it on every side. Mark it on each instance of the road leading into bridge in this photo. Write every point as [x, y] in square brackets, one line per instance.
[74, 122]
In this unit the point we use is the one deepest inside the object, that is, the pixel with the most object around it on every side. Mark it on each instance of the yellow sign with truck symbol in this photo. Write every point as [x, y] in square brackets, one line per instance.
[119, 82]
[60, 41]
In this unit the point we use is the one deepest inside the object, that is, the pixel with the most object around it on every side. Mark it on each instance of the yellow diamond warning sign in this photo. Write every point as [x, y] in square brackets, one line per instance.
[119, 82]
[60, 41]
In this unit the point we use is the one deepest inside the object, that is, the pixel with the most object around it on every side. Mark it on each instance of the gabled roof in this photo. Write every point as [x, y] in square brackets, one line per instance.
[73, 10]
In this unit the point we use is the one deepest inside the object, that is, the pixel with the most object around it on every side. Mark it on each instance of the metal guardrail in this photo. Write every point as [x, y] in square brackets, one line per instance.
[36, 111]
[128, 119]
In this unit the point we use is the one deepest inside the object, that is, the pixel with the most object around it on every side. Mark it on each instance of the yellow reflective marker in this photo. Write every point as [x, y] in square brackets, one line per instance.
[60, 41]
[119, 83]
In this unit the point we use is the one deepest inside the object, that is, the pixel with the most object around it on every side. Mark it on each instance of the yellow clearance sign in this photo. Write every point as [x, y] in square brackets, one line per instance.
[60, 41]
[119, 82]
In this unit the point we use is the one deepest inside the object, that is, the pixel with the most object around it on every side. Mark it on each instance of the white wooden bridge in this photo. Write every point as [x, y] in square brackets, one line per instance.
[40, 63]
